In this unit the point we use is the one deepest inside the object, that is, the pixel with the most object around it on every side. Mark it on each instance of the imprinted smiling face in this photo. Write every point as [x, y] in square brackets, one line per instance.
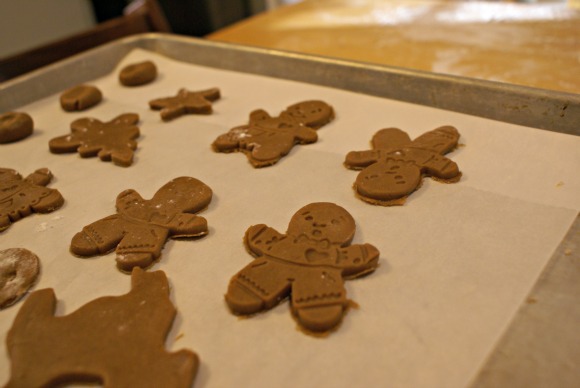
[323, 220]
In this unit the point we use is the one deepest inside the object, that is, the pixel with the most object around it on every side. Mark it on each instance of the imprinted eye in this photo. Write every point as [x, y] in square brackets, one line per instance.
[308, 218]
[335, 222]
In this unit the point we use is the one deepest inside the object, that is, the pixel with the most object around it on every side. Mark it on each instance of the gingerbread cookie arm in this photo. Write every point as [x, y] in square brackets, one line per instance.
[260, 238]
[357, 260]
[187, 225]
[441, 140]
[357, 160]
[64, 144]
[40, 177]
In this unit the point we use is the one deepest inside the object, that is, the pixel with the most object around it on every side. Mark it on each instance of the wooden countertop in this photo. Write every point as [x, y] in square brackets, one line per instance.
[531, 44]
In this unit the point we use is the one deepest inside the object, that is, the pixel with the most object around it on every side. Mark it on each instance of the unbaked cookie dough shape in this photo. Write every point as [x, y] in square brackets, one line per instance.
[186, 102]
[308, 263]
[15, 126]
[395, 166]
[19, 269]
[113, 140]
[141, 227]
[266, 139]
[20, 197]
[118, 341]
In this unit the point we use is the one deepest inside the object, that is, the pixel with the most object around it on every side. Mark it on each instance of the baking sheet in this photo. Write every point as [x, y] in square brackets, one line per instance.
[456, 261]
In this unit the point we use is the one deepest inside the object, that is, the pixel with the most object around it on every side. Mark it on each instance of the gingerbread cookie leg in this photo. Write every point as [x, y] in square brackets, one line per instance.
[140, 246]
[319, 298]
[261, 285]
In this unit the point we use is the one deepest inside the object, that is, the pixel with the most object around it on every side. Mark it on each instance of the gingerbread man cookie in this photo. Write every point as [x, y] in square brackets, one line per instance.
[394, 168]
[113, 140]
[309, 263]
[265, 140]
[20, 197]
[186, 102]
[141, 227]
[117, 341]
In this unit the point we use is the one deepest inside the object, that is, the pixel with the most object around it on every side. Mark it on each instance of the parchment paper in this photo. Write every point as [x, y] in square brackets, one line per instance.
[456, 260]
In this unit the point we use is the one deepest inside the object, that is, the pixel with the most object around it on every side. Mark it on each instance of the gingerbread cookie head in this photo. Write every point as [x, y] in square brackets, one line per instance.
[110, 141]
[140, 228]
[323, 221]
[118, 341]
[21, 197]
[394, 168]
[309, 263]
[313, 114]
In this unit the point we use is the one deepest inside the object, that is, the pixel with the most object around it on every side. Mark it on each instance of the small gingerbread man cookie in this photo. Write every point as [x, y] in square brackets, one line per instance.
[394, 168]
[141, 227]
[118, 341]
[265, 140]
[20, 197]
[309, 262]
[186, 102]
[113, 140]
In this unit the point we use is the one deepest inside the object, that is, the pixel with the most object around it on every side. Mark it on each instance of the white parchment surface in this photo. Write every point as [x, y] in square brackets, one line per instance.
[456, 260]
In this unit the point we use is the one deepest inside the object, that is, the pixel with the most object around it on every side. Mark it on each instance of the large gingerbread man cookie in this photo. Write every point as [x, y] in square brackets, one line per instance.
[117, 341]
[141, 227]
[308, 263]
[20, 197]
[113, 140]
[265, 140]
[395, 166]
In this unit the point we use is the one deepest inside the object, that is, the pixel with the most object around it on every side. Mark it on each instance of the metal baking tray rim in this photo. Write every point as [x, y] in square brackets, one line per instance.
[532, 107]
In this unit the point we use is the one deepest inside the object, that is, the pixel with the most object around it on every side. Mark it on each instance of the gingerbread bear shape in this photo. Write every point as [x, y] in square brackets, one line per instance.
[118, 341]
[141, 227]
[309, 263]
[395, 166]
[20, 197]
[265, 140]
[113, 140]
[186, 102]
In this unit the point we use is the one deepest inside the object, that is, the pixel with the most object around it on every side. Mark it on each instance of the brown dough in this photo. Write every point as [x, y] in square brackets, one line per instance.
[265, 140]
[80, 98]
[19, 270]
[15, 126]
[20, 197]
[394, 168]
[118, 341]
[138, 74]
[141, 227]
[186, 102]
[113, 140]
[309, 263]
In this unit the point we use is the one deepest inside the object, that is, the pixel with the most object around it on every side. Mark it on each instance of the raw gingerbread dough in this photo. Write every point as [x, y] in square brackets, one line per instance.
[141, 227]
[394, 168]
[309, 263]
[118, 341]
